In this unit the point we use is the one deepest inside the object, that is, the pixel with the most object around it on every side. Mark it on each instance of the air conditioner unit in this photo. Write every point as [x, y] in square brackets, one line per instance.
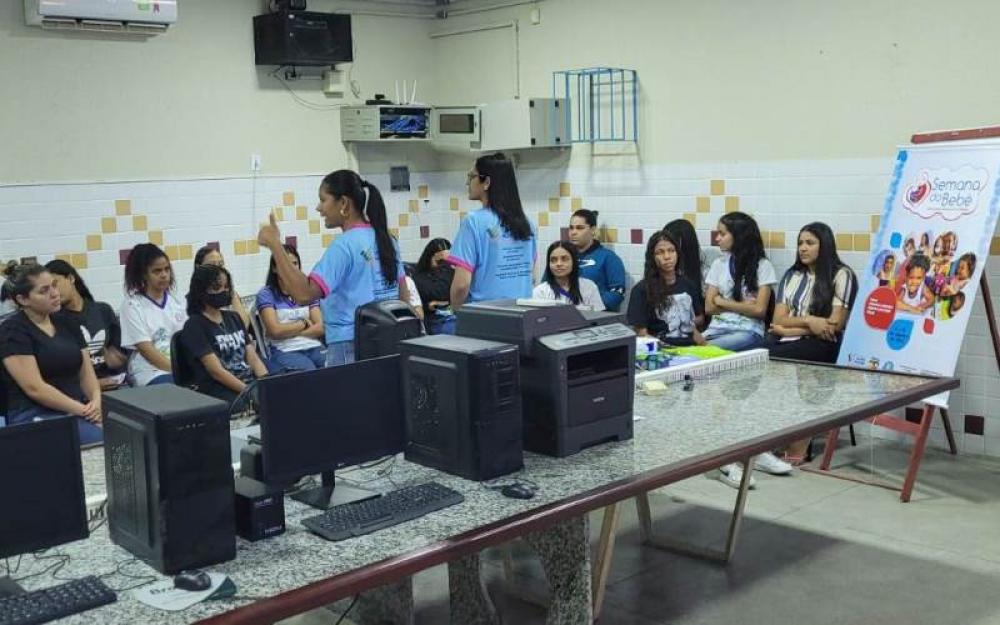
[133, 17]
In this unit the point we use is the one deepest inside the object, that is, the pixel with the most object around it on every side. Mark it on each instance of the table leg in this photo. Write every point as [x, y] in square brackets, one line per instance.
[605, 551]
[829, 448]
[391, 603]
[917, 453]
[948, 431]
[470, 601]
[565, 553]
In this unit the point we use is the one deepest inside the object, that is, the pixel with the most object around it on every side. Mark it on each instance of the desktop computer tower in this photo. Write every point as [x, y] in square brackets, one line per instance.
[169, 477]
[463, 405]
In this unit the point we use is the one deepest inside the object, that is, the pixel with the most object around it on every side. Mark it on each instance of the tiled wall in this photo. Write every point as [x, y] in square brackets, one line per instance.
[92, 224]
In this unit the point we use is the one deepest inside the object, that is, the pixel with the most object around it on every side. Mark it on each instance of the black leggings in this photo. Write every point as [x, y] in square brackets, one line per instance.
[807, 348]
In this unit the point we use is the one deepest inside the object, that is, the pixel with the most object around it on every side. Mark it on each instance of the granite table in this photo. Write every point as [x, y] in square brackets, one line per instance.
[728, 417]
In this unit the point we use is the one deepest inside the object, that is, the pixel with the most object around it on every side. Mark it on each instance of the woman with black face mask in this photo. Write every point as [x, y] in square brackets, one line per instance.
[220, 355]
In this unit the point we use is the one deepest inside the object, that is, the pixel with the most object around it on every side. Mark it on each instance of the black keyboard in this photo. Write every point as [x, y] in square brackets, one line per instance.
[49, 604]
[364, 517]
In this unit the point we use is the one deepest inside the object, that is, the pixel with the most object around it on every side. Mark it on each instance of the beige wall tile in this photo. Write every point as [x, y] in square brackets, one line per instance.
[862, 242]
[732, 203]
[156, 237]
[703, 204]
[123, 207]
[564, 189]
[718, 187]
[109, 225]
[288, 198]
[79, 261]
[139, 223]
[93, 242]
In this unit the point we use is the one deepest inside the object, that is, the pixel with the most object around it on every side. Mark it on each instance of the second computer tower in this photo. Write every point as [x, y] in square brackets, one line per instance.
[463, 405]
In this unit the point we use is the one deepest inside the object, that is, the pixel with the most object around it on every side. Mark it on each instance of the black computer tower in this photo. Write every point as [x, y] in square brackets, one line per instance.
[463, 406]
[379, 326]
[169, 476]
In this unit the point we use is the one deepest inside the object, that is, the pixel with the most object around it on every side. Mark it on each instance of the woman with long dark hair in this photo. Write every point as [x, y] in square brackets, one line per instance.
[690, 261]
[495, 249]
[361, 265]
[562, 282]
[150, 315]
[597, 263]
[666, 304]
[293, 331]
[97, 322]
[432, 277]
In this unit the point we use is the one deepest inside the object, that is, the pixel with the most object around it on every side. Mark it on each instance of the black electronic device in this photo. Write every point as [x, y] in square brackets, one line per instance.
[55, 602]
[517, 490]
[314, 422]
[260, 510]
[169, 476]
[577, 372]
[302, 38]
[355, 519]
[193, 580]
[379, 326]
[463, 405]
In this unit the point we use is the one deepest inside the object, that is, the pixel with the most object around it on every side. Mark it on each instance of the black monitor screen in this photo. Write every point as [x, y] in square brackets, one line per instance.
[321, 420]
[42, 501]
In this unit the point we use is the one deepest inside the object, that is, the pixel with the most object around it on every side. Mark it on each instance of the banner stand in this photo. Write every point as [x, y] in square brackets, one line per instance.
[921, 429]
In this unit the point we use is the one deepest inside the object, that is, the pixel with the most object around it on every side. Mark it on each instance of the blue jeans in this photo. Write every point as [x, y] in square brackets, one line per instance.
[301, 360]
[166, 378]
[736, 340]
[442, 324]
[340, 353]
[89, 433]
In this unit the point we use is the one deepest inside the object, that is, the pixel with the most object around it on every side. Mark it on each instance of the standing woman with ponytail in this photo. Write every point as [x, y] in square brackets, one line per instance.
[362, 265]
[495, 250]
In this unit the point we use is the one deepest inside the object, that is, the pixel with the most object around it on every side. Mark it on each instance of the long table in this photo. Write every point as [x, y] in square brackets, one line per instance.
[724, 418]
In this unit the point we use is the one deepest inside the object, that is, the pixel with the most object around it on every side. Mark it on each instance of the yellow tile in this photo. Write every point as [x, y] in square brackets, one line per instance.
[279, 213]
[414, 206]
[185, 252]
[327, 239]
[139, 223]
[718, 187]
[610, 235]
[301, 213]
[732, 203]
[765, 236]
[404, 219]
[995, 246]
[79, 261]
[423, 192]
[845, 242]
[778, 240]
[65, 257]
[564, 189]
[543, 219]
[703, 204]
[554, 204]
[93, 242]
[288, 198]
[253, 247]
[876, 222]
[453, 204]
[691, 218]
[109, 225]
[862, 242]
[313, 226]
[123, 207]
[394, 232]
[156, 237]
[577, 203]
[240, 247]
[171, 251]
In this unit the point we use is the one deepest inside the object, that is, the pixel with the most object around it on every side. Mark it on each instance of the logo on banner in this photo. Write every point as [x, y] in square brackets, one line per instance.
[948, 193]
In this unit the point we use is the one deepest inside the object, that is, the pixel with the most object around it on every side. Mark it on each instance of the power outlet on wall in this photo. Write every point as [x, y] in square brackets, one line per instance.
[255, 162]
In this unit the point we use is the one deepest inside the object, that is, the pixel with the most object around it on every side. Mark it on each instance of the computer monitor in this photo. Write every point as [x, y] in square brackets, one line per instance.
[326, 419]
[42, 501]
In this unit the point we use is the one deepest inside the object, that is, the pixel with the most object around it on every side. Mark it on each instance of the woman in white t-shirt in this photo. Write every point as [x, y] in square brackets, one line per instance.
[150, 315]
[562, 282]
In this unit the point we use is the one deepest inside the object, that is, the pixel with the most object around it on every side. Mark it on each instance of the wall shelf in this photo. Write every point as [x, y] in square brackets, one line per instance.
[603, 103]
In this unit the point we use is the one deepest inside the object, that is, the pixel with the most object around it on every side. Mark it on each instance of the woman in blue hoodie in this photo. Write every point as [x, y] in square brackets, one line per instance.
[597, 263]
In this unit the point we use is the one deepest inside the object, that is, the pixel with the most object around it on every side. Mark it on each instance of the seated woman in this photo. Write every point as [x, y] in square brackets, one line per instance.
[150, 315]
[48, 372]
[664, 303]
[690, 261]
[221, 357]
[294, 331]
[97, 322]
[210, 255]
[433, 277]
[562, 282]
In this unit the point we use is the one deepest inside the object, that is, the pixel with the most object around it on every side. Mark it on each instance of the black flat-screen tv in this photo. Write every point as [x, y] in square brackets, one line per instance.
[302, 38]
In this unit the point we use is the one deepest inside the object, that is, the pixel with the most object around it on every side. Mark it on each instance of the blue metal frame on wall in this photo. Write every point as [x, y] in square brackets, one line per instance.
[602, 103]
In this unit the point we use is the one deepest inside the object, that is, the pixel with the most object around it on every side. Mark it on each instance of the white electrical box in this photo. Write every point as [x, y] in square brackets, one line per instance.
[455, 125]
[524, 123]
[385, 122]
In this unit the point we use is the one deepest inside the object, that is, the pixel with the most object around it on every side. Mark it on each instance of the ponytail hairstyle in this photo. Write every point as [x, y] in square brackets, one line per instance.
[747, 252]
[432, 248]
[368, 203]
[827, 265]
[657, 299]
[689, 258]
[587, 215]
[504, 198]
[574, 274]
[66, 270]
[21, 279]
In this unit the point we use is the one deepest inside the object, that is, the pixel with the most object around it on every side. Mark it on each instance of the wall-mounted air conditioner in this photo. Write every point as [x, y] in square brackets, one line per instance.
[135, 17]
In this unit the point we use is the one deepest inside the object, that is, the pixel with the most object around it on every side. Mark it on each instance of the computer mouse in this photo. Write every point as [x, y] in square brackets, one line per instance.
[192, 580]
[518, 491]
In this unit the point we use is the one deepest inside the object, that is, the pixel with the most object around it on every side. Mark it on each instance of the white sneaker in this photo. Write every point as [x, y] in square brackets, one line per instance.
[769, 463]
[732, 475]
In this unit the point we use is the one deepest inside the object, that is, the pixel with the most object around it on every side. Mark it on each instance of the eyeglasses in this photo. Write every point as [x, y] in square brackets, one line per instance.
[473, 174]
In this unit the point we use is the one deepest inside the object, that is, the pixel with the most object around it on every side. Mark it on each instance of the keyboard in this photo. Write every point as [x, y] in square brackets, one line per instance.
[49, 604]
[364, 517]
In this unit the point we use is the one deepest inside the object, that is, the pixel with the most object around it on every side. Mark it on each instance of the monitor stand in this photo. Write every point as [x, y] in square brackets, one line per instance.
[9, 588]
[331, 493]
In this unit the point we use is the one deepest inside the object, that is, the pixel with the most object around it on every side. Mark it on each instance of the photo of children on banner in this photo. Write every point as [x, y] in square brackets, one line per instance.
[930, 282]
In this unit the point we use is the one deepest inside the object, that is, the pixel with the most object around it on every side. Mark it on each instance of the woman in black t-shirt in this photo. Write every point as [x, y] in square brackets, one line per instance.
[433, 277]
[221, 358]
[97, 322]
[48, 372]
[664, 303]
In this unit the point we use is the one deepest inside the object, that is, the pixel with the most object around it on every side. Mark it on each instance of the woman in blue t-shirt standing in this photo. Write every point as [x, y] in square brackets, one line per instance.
[360, 266]
[495, 249]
